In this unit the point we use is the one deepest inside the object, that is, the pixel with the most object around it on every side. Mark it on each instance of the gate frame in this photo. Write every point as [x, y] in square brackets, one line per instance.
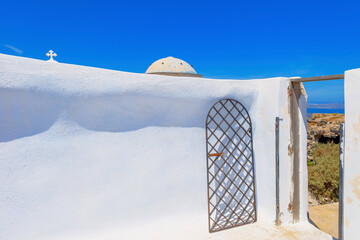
[295, 90]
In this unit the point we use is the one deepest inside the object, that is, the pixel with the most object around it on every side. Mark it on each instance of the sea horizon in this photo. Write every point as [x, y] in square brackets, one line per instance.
[310, 111]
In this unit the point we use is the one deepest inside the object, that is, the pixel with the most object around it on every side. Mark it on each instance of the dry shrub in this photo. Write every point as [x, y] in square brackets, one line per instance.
[324, 173]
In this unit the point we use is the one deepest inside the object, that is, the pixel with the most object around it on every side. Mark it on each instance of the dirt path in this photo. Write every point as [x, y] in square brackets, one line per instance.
[325, 217]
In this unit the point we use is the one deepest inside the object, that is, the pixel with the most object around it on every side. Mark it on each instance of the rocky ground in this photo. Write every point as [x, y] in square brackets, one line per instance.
[323, 128]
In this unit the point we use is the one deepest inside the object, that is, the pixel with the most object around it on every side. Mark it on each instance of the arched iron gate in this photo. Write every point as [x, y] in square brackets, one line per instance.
[231, 179]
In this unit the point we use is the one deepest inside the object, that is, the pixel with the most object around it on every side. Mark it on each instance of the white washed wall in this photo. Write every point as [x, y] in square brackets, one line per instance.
[88, 152]
[352, 156]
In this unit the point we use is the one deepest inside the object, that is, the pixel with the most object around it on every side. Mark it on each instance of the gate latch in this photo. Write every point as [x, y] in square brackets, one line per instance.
[216, 154]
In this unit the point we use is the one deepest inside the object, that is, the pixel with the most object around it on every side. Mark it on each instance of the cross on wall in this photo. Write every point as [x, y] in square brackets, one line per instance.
[51, 54]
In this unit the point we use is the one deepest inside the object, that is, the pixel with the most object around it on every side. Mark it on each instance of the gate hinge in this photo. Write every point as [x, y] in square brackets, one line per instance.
[290, 208]
[289, 91]
[290, 149]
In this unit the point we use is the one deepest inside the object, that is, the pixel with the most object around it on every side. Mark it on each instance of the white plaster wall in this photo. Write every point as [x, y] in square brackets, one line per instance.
[352, 155]
[88, 152]
[303, 158]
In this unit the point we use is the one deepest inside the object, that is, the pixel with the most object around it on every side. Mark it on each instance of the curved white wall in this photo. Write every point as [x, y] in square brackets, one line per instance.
[88, 152]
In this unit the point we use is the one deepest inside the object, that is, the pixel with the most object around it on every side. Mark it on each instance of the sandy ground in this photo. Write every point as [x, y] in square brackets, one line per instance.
[325, 217]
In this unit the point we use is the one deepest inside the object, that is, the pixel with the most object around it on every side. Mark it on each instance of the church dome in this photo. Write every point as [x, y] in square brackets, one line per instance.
[173, 67]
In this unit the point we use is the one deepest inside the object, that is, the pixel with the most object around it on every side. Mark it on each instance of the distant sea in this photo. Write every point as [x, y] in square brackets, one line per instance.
[310, 111]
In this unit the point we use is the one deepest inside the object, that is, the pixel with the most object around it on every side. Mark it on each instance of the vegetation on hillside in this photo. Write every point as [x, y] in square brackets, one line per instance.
[324, 172]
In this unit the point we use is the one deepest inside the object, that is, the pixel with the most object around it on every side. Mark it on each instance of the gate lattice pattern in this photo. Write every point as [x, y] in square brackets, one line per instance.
[231, 180]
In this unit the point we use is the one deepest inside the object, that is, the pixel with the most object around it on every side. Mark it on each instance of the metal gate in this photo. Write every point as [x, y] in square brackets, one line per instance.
[230, 166]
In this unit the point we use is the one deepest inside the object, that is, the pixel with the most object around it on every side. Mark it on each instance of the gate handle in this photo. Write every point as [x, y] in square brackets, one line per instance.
[216, 154]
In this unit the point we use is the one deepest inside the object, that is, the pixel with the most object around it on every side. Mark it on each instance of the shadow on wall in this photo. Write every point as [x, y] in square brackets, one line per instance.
[27, 113]
[131, 112]
[24, 114]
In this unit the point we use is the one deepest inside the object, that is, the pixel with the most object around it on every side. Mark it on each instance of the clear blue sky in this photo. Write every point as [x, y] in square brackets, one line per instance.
[221, 39]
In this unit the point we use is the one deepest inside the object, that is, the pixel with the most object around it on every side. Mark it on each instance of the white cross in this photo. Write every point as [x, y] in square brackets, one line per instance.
[51, 54]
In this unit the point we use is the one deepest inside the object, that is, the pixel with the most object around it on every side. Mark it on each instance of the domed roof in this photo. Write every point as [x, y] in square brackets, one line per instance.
[172, 66]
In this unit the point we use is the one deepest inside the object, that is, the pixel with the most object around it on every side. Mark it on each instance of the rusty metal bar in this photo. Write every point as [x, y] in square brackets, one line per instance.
[320, 78]
[341, 182]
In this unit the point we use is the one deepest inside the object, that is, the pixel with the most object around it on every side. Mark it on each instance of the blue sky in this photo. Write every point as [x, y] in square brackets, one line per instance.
[221, 39]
